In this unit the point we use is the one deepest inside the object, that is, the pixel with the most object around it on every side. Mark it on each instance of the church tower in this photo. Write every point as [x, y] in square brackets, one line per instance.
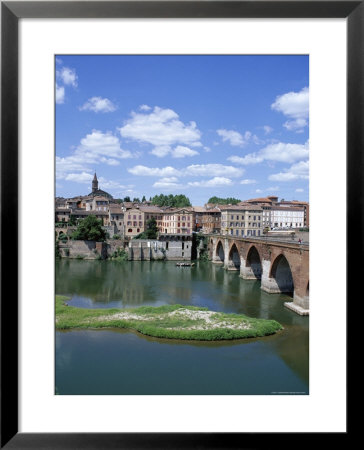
[95, 184]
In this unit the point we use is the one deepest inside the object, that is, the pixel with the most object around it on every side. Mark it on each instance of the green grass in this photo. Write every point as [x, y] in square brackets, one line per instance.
[167, 321]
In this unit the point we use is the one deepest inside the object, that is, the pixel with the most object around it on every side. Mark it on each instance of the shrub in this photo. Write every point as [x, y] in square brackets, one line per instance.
[89, 229]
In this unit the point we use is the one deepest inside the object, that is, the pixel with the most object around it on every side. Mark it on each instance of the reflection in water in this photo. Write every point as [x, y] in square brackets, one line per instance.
[95, 284]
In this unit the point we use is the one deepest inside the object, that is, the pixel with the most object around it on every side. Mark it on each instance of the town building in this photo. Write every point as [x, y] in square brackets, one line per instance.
[286, 217]
[134, 222]
[282, 214]
[116, 218]
[96, 191]
[178, 221]
[211, 220]
[241, 221]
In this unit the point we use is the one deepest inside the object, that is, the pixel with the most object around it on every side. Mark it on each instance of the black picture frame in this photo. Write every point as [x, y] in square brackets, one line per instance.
[11, 12]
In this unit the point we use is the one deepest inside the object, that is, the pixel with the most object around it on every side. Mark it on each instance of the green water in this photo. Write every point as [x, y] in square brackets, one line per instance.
[125, 362]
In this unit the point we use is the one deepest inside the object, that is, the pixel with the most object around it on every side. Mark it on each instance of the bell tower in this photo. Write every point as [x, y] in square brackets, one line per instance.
[95, 184]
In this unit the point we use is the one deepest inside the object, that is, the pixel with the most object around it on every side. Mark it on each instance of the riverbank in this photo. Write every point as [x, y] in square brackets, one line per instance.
[167, 321]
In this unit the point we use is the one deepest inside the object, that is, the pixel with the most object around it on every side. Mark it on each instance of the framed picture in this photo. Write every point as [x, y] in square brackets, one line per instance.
[223, 38]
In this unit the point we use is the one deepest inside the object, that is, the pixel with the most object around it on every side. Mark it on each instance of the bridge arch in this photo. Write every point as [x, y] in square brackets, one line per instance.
[234, 257]
[282, 274]
[253, 262]
[220, 254]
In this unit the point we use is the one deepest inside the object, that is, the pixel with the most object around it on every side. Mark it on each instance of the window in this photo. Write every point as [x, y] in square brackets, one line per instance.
[130, 230]
[237, 217]
[138, 230]
[232, 217]
[237, 232]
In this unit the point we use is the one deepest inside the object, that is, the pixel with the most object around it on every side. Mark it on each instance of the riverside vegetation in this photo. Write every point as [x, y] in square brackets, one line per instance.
[167, 321]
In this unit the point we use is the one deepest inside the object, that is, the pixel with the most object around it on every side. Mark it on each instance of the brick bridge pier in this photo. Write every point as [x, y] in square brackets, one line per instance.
[282, 266]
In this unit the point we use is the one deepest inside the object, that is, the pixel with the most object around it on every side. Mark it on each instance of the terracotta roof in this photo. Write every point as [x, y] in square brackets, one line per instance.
[151, 209]
[199, 209]
[261, 199]
[287, 208]
[115, 209]
[240, 208]
[63, 210]
[82, 212]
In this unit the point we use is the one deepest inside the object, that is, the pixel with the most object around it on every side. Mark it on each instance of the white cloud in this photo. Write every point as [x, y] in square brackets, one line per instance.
[79, 177]
[65, 76]
[213, 182]
[235, 138]
[299, 190]
[294, 105]
[161, 127]
[168, 183]
[273, 189]
[207, 170]
[247, 181]
[280, 152]
[258, 191]
[251, 158]
[98, 104]
[267, 129]
[296, 125]
[94, 148]
[154, 171]
[98, 144]
[178, 152]
[59, 94]
[145, 108]
[113, 185]
[298, 171]
[204, 170]
[207, 149]
[161, 151]
[68, 76]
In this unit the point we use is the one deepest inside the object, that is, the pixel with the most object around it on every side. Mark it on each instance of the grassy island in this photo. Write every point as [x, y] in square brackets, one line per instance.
[168, 321]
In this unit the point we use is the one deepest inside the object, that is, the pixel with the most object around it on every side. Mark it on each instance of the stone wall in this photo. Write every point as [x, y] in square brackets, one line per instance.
[82, 249]
[113, 245]
[171, 250]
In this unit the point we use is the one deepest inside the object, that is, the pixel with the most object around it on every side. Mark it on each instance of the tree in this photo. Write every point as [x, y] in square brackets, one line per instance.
[127, 199]
[144, 199]
[72, 220]
[175, 201]
[150, 232]
[223, 201]
[89, 229]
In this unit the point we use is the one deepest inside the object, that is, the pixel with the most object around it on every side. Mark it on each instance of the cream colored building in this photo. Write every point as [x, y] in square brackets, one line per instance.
[241, 221]
[287, 217]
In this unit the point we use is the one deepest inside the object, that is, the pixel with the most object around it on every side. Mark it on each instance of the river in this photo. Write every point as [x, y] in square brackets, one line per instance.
[106, 362]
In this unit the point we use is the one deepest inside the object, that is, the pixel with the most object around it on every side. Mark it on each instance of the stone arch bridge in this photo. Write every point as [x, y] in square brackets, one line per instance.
[282, 266]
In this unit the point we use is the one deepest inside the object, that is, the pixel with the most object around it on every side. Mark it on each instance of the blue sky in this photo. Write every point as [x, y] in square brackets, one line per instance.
[231, 126]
